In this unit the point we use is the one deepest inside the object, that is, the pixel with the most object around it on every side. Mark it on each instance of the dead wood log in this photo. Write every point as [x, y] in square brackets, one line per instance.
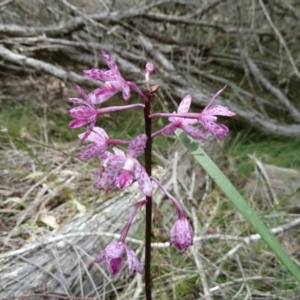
[60, 264]
[184, 40]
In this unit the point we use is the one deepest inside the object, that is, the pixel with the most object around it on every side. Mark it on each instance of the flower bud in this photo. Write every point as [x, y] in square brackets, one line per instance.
[149, 69]
[181, 235]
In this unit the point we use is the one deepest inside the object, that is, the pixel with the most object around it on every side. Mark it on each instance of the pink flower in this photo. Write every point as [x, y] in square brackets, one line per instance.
[181, 235]
[207, 118]
[182, 123]
[99, 140]
[84, 114]
[87, 113]
[113, 82]
[123, 166]
[113, 253]
[100, 143]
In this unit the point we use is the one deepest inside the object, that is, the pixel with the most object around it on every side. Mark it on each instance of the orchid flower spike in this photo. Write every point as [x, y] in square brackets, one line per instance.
[122, 167]
[113, 82]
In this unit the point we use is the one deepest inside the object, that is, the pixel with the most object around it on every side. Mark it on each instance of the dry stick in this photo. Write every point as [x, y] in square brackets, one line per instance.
[78, 22]
[46, 67]
[38, 199]
[251, 278]
[266, 178]
[243, 274]
[256, 237]
[223, 237]
[267, 84]
[203, 10]
[44, 270]
[188, 21]
[196, 250]
[46, 295]
[256, 119]
[281, 39]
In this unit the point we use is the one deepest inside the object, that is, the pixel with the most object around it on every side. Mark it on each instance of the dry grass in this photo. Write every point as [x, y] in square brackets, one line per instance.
[40, 187]
[53, 222]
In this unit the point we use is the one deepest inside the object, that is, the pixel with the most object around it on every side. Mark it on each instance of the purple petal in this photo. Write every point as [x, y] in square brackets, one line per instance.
[95, 74]
[126, 91]
[92, 150]
[193, 132]
[118, 152]
[136, 146]
[82, 112]
[175, 119]
[169, 130]
[98, 136]
[110, 62]
[143, 179]
[79, 89]
[114, 250]
[77, 100]
[214, 97]
[77, 123]
[100, 257]
[115, 265]
[133, 262]
[133, 86]
[89, 129]
[113, 256]
[188, 121]
[117, 160]
[218, 130]
[185, 104]
[101, 94]
[218, 110]
[113, 76]
[108, 177]
[124, 180]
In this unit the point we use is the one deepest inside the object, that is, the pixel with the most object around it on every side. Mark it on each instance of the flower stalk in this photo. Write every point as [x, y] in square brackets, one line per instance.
[148, 229]
[118, 168]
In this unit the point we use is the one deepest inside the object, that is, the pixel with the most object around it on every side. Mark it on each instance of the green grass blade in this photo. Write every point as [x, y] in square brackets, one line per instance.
[238, 201]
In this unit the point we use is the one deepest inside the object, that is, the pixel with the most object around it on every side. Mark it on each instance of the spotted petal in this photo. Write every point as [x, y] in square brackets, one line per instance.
[137, 146]
[110, 62]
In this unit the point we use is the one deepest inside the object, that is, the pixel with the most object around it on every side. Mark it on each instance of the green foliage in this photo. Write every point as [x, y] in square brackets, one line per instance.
[238, 201]
[271, 149]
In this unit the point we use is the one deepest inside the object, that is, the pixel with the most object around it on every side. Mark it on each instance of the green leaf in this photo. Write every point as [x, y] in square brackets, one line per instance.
[238, 201]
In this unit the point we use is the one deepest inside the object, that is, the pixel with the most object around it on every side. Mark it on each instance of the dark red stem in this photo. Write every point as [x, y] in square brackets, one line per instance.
[148, 167]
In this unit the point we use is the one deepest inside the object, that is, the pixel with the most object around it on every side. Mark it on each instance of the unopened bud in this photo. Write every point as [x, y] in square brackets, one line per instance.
[149, 69]
[181, 235]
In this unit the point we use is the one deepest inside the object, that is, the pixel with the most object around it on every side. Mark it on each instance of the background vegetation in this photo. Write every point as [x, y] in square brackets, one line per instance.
[53, 221]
